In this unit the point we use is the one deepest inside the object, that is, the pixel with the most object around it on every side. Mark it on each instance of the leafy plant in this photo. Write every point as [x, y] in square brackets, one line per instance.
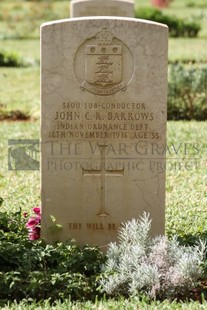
[13, 115]
[158, 267]
[12, 226]
[1, 201]
[177, 26]
[34, 269]
[187, 92]
[13, 59]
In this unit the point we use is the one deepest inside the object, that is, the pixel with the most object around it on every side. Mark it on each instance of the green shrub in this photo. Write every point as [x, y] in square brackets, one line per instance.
[158, 267]
[13, 59]
[177, 26]
[9, 59]
[44, 271]
[13, 115]
[187, 92]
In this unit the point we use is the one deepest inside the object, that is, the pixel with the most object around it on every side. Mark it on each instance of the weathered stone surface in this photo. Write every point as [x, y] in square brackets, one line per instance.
[81, 8]
[104, 93]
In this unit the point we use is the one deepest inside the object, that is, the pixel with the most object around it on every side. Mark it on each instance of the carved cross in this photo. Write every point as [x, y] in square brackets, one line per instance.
[103, 172]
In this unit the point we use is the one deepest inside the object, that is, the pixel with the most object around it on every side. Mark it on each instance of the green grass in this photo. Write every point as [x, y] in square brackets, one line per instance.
[27, 48]
[187, 50]
[22, 90]
[186, 198]
[19, 189]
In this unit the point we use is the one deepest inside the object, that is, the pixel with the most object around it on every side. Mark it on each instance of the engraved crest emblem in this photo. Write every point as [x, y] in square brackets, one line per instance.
[103, 64]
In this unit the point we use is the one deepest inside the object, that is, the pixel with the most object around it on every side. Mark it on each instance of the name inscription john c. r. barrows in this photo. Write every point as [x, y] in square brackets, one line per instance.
[103, 120]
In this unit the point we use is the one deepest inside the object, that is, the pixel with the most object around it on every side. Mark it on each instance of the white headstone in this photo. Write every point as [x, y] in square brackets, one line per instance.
[80, 8]
[104, 94]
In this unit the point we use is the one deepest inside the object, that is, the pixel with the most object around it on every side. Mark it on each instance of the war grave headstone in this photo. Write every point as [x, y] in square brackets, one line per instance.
[81, 8]
[103, 126]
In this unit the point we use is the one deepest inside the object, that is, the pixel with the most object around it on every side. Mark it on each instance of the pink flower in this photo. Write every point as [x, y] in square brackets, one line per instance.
[36, 210]
[25, 214]
[34, 233]
[32, 222]
[160, 3]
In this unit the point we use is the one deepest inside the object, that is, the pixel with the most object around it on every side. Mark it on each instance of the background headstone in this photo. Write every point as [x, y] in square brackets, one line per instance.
[80, 8]
[104, 94]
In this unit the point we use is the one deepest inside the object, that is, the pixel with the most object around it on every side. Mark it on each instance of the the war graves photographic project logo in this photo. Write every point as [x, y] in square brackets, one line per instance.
[23, 154]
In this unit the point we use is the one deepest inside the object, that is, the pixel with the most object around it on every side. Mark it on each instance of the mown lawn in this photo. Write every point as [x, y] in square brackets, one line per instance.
[22, 90]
